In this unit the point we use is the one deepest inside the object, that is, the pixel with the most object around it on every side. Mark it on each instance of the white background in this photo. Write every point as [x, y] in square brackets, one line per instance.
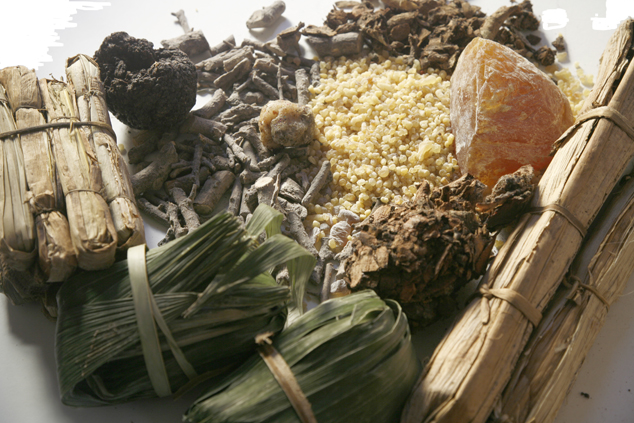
[42, 34]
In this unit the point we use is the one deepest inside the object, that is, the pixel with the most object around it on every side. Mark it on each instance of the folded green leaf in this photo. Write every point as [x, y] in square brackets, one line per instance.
[351, 356]
[99, 352]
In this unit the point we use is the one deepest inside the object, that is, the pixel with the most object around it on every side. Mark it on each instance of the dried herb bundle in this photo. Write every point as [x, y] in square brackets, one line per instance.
[422, 252]
[17, 227]
[211, 289]
[56, 254]
[83, 76]
[352, 358]
[92, 230]
[558, 346]
[475, 360]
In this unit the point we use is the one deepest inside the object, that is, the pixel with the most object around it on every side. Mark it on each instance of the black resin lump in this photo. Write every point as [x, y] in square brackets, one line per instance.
[146, 88]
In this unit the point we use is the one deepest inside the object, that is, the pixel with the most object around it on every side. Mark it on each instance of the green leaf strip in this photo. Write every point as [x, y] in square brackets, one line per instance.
[285, 377]
[147, 314]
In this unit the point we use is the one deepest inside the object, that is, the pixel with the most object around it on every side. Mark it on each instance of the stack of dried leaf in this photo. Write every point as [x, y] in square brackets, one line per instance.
[421, 253]
[433, 31]
[64, 180]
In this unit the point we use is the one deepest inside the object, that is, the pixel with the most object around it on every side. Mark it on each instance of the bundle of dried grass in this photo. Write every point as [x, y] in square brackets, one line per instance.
[558, 346]
[473, 363]
[83, 75]
[92, 231]
[17, 227]
[56, 255]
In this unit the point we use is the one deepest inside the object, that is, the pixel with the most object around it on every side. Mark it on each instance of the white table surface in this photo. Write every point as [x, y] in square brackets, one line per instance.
[42, 33]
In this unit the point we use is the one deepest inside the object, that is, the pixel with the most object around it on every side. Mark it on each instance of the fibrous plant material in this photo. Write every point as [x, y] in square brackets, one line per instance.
[92, 230]
[505, 112]
[208, 310]
[266, 16]
[423, 252]
[351, 357]
[558, 346]
[475, 360]
[146, 88]
[18, 247]
[83, 77]
[56, 255]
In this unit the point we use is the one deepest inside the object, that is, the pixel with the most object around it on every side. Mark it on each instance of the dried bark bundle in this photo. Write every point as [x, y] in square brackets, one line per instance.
[557, 347]
[435, 32]
[473, 363]
[83, 76]
[56, 255]
[92, 231]
[17, 227]
[422, 252]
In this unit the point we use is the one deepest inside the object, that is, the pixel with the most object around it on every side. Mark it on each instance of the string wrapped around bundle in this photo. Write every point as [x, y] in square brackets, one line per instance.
[92, 230]
[83, 76]
[558, 346]
[56, 255]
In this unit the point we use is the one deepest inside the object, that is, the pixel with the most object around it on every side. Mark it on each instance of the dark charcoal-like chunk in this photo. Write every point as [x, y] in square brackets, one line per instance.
[146, 88]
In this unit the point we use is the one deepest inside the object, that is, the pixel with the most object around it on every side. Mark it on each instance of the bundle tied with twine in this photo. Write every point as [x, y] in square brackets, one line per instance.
[56, 256]
[558, 346]
[83, 76]
[17, 227]
[350, 359]
[157, 324]
[472, 364]
[92, 230]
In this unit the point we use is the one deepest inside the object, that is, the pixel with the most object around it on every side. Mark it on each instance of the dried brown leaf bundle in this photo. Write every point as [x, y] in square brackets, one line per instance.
[92, 231]
[83, 75]
[56, 255]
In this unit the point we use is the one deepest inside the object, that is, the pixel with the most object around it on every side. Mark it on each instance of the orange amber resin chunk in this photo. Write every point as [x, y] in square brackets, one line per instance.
[505, 113]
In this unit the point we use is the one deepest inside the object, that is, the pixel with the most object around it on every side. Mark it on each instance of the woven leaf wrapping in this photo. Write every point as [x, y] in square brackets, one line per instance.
[351, 356]
[217, 273]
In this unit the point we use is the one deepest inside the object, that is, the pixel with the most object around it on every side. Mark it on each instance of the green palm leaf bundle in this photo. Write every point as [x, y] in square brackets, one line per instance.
[210, 293]
[351, 357]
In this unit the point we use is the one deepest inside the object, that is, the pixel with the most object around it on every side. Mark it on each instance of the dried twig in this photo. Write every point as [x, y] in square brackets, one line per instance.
[182, 20]
[266, 16]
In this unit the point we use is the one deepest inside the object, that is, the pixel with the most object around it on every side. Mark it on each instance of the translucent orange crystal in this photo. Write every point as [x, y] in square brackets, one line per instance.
[505, 113]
